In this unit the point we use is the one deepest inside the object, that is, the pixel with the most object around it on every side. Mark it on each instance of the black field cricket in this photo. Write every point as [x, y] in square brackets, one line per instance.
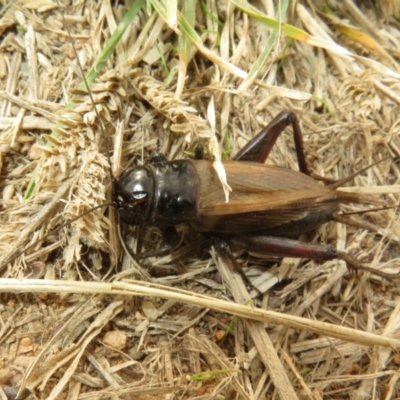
[268, 205]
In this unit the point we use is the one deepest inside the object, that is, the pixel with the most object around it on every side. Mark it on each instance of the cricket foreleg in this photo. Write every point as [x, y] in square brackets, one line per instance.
[171, 239]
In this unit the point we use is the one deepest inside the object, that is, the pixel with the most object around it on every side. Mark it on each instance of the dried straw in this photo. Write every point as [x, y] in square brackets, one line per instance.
[85, 328]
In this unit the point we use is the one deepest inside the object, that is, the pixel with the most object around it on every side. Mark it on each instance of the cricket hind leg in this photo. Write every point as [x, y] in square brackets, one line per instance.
[259, 148]
[283, 247]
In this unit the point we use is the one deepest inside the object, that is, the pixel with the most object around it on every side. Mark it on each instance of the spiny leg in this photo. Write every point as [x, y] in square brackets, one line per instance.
[170, 240]
[223, 247]
[283, 247]
[259, 147]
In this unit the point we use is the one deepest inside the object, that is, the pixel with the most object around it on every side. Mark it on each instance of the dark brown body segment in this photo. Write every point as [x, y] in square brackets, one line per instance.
[264, 199]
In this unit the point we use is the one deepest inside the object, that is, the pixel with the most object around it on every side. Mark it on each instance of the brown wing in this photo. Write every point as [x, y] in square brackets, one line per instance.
[262, 197]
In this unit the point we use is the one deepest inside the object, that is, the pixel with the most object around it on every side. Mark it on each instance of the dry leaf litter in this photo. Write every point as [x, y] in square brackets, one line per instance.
[80, 319]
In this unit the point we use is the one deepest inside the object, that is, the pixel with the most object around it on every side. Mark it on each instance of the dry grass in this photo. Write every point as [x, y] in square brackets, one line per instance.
[80, 319]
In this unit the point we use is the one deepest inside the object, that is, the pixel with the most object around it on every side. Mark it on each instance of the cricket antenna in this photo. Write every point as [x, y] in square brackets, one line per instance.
[4, 263]
[113, 179]
[8, 259]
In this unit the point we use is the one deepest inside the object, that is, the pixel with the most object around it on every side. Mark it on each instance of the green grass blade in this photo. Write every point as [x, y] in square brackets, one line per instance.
[286, 29]
[268, 48]
[185, 45]
[167, 10]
